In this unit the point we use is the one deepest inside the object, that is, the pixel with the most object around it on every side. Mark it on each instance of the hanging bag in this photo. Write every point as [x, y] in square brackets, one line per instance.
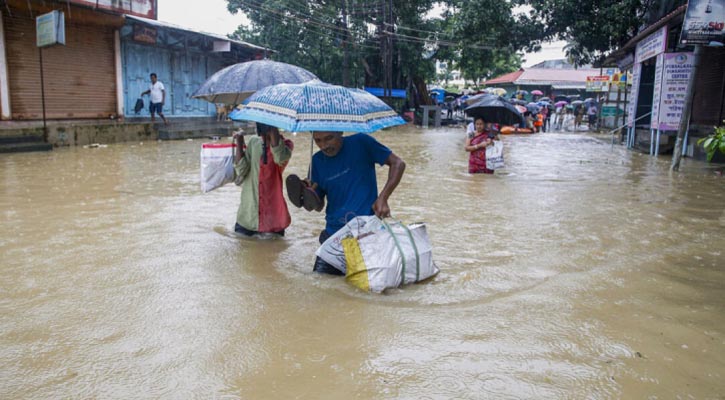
[494, 155]
[217, 165]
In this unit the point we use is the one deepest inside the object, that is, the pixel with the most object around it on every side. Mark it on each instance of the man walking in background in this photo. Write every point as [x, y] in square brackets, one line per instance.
[157, 97]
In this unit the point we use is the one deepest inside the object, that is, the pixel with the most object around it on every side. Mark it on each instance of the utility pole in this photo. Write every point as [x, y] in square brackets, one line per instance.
[687, 111]
[389, 69]
[345, 51]
[383, 45]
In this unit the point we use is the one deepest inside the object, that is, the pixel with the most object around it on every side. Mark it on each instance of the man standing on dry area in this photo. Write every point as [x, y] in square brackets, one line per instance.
[157, 98]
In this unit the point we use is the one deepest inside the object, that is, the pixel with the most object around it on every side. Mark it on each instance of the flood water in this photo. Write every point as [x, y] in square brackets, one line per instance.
[578, 271]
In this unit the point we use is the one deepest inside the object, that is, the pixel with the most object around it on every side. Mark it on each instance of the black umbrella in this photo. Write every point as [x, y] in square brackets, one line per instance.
[495, 109]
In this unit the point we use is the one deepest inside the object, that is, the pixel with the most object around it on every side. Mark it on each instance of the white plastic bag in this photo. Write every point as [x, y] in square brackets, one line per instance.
[376, 255]
[331, 250]
[494, 155]
[217, 165]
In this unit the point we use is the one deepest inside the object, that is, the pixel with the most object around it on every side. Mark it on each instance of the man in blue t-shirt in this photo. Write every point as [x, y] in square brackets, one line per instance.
[343, 172]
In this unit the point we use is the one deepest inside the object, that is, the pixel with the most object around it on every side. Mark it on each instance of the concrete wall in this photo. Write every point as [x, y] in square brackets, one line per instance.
[82, 134]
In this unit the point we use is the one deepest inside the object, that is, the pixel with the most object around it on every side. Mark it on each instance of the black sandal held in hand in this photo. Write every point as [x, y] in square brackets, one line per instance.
[295, 186]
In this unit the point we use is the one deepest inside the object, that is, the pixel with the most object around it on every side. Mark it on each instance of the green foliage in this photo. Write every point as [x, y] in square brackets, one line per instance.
[714, 142]
[312, 34]
[592, 28]
[481, 38]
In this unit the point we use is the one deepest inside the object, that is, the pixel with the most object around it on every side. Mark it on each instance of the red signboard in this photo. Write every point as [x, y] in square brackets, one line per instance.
[139, 8]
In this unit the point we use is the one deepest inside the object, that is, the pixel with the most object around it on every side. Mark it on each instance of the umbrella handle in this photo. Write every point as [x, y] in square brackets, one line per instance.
[309, 169]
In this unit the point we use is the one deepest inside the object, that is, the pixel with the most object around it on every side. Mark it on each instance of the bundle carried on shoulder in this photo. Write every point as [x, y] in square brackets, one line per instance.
[376, 255]
[217, 165]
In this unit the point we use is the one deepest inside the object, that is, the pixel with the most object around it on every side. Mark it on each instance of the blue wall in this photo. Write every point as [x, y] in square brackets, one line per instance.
[182, 60]
[180, 72]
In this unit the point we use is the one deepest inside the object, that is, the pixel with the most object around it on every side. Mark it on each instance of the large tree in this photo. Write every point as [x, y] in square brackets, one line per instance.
[389, 42]
[594, 28]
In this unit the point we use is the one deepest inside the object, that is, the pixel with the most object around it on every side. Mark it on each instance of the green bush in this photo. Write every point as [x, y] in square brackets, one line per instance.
[714, 142]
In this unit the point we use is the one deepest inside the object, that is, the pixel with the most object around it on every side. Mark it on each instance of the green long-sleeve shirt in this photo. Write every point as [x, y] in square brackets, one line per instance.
[262, 207]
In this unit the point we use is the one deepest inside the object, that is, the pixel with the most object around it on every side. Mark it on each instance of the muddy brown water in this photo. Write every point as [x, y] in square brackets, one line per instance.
[578, 271]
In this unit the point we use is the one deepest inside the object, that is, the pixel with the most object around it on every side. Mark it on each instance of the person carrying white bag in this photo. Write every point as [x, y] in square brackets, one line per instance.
[343, 173]
[258, 168]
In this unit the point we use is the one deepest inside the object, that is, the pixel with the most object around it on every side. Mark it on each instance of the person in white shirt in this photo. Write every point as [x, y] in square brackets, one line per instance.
[157, 97]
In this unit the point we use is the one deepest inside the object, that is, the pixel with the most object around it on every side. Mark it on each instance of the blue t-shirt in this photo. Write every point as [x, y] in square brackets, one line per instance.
[348, 179]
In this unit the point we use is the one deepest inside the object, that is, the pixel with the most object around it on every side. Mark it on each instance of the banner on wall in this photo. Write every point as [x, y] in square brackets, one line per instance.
[632, 104]
[675, 76]
[598, 83]
[704, 23]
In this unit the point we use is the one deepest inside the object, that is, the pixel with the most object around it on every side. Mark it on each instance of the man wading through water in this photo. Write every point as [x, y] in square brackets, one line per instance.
[343, 172]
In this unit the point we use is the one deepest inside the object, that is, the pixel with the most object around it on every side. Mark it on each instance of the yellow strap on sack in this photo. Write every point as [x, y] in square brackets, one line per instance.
[357, 272]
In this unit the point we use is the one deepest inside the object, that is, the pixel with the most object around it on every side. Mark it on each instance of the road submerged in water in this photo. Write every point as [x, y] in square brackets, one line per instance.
[578, 271]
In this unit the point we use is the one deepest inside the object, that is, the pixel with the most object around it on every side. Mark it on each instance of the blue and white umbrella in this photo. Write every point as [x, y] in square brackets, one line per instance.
[317, 106]
[235, 83]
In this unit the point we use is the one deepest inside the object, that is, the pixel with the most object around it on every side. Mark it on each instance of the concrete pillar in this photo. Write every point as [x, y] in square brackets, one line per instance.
[119, 74]
[4, 82]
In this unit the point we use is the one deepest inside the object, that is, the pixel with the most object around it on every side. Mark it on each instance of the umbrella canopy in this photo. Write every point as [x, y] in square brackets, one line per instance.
[318, 106]
[576, 102]
[561, 103]
[472, 99]
[495, 109]
[235, 83]
[521, 109]
[533, 107]
[537, 92]
[588, 99]
[522, 92]
[497, 91]
[546, 99]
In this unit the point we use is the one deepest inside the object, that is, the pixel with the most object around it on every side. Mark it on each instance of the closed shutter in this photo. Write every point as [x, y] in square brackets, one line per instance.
[79, 78]
[707, 104]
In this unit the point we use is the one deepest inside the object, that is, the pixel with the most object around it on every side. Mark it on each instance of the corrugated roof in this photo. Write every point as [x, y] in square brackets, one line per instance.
[506, 78]
[181, 28]
[569, 85]
[545, 76]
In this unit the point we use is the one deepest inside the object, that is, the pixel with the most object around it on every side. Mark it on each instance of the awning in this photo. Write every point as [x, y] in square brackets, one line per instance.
[572, 85]
[379, 92]
[167, 25]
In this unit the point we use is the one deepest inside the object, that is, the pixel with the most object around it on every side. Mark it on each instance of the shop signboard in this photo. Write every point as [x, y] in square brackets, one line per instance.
[704, 23]
[598, 83]
[676, 72]
[657, 91]
[50, 29]
[139, 8]
[632, 104]
[611, 111]
[652, 45]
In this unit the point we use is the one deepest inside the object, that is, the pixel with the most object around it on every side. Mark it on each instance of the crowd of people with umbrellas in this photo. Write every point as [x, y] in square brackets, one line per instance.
[514, 114]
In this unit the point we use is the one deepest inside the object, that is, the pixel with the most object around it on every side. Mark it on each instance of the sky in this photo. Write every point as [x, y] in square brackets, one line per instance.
[212, 16]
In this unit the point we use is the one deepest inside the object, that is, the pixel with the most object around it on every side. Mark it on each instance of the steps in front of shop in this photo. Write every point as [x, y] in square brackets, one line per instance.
[178, 130]
[15, 142]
